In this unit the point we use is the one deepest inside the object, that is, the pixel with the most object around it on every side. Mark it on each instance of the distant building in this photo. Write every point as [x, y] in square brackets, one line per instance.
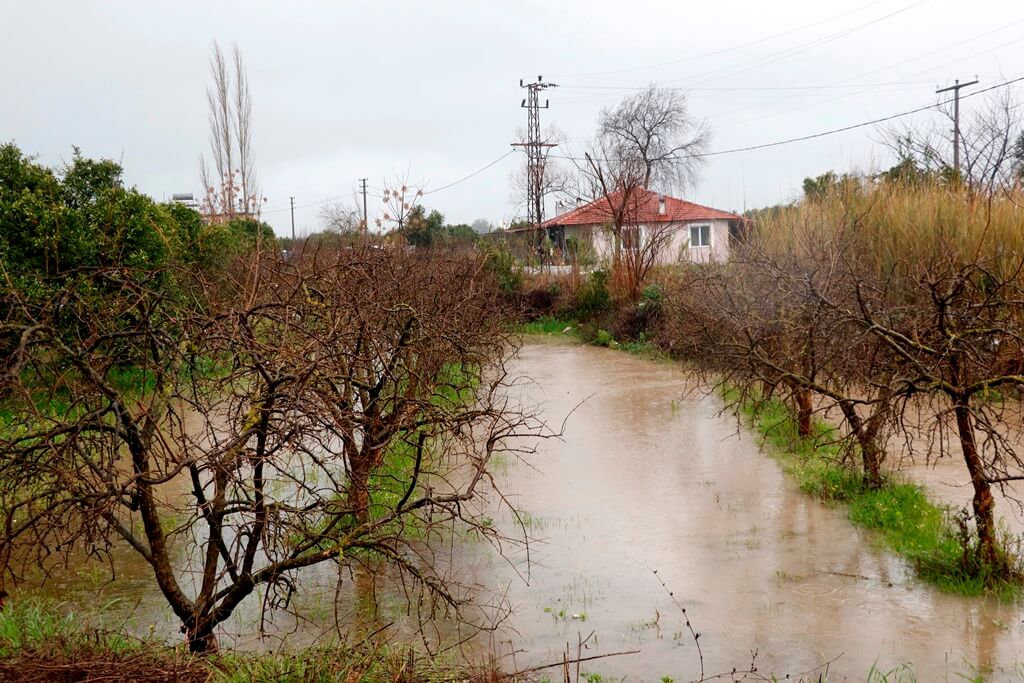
[186, 199]
[691, 232]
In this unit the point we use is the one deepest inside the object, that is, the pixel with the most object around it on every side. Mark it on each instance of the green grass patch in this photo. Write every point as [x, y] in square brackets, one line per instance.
[942, 551]
[39, 638]
[34, 623]
[546, 326]
[645, 349]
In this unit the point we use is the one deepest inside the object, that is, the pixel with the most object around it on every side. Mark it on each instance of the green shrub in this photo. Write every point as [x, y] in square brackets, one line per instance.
[502, 264]
[651, 297]
[593, 296]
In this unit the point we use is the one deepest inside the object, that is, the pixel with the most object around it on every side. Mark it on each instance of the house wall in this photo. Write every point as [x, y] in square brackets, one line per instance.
[678, 249]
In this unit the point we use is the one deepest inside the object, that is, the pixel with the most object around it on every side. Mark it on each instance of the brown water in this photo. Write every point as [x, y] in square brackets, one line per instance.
[646, 480]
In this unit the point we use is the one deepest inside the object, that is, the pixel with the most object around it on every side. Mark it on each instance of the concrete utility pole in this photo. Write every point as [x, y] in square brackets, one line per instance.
[957, 85]
[292, 200]
[536, 150]
[366, 218]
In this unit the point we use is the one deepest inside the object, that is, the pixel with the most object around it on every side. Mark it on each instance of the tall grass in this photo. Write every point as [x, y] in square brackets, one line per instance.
[890, 225]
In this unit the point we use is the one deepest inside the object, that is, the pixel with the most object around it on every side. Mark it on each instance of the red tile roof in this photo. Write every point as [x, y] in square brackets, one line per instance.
[641, 208]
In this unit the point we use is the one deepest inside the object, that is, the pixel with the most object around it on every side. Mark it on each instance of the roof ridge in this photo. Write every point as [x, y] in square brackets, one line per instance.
[578, 214]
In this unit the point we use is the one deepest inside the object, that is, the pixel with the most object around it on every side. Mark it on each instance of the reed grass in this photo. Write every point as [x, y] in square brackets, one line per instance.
[890, 226]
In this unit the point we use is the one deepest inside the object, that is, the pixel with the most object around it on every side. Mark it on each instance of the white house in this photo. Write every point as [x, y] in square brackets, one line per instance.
[690, 232]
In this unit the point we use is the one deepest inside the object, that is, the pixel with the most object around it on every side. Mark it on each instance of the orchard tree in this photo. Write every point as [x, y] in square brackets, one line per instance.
[312, 409]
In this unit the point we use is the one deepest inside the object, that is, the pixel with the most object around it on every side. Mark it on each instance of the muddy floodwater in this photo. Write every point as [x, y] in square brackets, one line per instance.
[648, 479]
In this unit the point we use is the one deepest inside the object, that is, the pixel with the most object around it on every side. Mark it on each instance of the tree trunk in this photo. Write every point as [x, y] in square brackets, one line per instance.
[872, 454]
[200, 636]
[983, 502]
[872, 457]
[361, 465]
[366, 456]
[804, 411]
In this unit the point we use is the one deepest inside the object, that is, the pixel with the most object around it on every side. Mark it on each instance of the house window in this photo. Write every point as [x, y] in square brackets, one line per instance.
[700, 236]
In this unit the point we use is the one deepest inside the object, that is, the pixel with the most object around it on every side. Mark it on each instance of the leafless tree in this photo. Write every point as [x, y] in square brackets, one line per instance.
[311, 410]
[637, 242]
[341, 219]
[653, 141]
[555, 182]
[762, 327]
[958, 326]
[231, 187]
[902, 307]
[648, 141]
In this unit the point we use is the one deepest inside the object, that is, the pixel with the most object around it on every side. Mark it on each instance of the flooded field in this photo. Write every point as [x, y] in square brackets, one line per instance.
[648, 480]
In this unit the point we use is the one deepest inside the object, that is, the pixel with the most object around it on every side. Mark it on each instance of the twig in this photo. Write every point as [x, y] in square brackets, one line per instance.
[564, 661]
[686, 618]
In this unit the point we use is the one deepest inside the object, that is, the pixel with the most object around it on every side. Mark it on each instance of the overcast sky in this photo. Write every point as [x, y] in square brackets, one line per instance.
[345, 90]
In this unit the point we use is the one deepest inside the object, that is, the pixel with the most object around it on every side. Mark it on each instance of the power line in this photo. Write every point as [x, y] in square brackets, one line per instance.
[834, 131]
[785, 54]
[744, 66]
[773, 93]
[474, 173]
[380, 196]
[865, 87]
[725, 49]
[744, 88]
[844, 83]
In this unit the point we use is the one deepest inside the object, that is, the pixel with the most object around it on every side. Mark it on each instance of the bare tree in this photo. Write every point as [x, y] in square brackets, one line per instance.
[653, 140]
[901, 306]
[555, 181]
[637, 236]
[341, 219]
[248, 184]
[647, 141]
[958, 326]
[765, 327]
[230, 187]
[311, 410]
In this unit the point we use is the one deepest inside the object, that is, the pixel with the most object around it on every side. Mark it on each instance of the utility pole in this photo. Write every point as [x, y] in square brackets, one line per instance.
[366, 218]
[536, 149]
[956, 119]
[292, 200]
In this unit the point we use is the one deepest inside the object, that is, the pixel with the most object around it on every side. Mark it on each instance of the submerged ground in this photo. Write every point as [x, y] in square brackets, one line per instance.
[648, 477]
